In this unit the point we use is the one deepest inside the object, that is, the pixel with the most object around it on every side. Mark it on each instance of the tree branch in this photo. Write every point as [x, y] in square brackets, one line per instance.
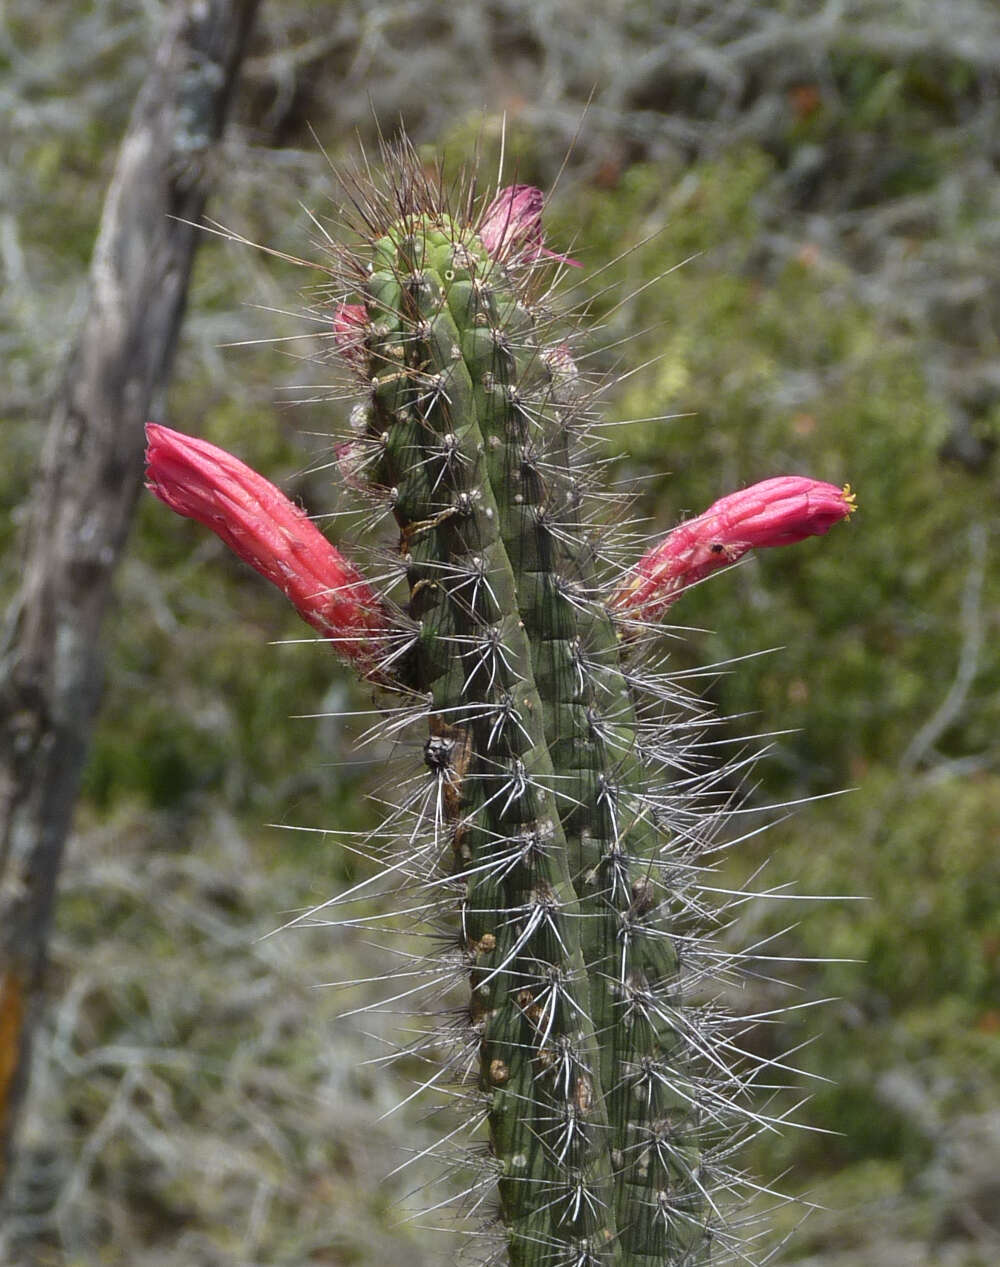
[86, 491]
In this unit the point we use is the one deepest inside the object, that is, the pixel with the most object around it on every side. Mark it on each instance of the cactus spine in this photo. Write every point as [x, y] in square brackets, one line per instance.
[559, 820]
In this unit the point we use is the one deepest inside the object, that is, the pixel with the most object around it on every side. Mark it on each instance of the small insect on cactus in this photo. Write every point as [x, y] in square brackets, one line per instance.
[565, 795]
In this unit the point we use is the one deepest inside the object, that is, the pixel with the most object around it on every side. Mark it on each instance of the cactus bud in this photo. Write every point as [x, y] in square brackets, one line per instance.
[349, 324]
[511, 228]
[258, 522]
[775, 512]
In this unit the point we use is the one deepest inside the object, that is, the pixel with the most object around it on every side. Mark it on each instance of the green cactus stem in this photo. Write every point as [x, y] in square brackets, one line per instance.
[565, 800]
[576, 981]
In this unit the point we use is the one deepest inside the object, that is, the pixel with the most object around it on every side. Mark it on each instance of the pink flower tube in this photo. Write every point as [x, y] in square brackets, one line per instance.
[511, 227]
[258, 522]
[775, 512]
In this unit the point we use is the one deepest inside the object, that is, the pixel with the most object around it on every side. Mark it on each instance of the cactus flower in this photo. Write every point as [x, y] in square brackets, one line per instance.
[511, 227]
[258, 522]
[775, 512]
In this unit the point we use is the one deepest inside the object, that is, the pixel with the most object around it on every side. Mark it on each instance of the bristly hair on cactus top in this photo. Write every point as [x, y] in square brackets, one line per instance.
[562, 797]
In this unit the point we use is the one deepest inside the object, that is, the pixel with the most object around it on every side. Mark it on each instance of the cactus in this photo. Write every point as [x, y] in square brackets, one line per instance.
[566, 796]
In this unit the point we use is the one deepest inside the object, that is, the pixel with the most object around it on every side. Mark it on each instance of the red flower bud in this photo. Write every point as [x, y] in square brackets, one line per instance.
[351, 459]
[775, 512]
[350, 323]
[258, 522]
[511, 227]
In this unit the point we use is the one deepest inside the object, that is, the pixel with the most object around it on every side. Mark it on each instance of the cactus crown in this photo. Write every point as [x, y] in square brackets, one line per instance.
[563, 802]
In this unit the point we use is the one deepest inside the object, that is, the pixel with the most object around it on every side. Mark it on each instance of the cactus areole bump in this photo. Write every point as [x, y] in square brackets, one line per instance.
[563, 801]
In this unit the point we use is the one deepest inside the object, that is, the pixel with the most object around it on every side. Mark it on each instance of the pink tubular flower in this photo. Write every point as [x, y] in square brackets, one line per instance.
[350, 322]
[775, 512]
[258, 522]
[511, 227]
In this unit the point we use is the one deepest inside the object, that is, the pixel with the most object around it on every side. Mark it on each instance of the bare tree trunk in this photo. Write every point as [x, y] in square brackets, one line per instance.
[91, 473]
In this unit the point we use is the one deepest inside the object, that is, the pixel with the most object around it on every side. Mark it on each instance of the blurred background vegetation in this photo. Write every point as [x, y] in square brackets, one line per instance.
[826, 176]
